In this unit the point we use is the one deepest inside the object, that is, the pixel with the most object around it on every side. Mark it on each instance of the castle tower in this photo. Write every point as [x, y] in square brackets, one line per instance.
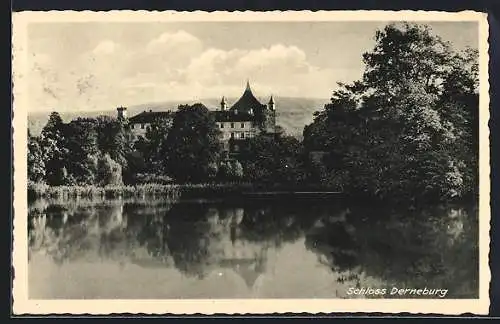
[223, 104]
[122, 113]
[270, 105]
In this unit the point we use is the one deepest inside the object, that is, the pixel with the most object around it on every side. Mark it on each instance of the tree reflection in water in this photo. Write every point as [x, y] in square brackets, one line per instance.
[426, 248]
[435, 248]
[70, 231]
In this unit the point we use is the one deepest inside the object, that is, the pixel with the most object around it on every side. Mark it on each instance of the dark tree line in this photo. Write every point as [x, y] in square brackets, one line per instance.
[187, 149]
[408, 129]
[85, 151]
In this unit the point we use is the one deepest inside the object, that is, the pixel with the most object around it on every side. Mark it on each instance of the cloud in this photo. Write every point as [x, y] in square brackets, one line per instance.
[268, 59]
[213, 66]
[173, 66]
[278, 69]
[169, 41]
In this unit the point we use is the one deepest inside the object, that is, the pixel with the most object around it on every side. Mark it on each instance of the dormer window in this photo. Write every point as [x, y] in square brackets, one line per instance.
[236, 111]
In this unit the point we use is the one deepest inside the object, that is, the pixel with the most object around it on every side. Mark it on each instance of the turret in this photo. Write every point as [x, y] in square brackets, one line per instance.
[223, 104]
[270, 105]
[122, 113]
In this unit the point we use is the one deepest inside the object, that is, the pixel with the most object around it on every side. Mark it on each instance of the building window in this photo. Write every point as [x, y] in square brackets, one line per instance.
[232, 135]
[142, 126]
[221, 125]
[242, 125]
[242, 135]
[232, 125]
[132, 126]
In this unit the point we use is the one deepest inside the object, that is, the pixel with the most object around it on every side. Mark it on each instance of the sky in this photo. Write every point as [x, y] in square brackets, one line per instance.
[97, 66]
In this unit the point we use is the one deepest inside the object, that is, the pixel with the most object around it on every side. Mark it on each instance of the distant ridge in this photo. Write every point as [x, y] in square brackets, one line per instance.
[292, 113]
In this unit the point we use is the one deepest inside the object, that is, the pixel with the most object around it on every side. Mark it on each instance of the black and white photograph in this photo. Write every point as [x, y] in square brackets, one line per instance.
[227, 162]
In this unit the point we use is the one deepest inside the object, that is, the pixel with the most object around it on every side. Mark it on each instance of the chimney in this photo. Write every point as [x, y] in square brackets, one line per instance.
[122, 113]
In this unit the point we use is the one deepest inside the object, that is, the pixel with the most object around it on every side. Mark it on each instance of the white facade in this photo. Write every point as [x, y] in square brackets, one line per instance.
[237, 130]
[139, 129]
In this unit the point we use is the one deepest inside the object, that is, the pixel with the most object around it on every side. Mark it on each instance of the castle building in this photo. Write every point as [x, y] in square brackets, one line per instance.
[246, 118]
[140, 123]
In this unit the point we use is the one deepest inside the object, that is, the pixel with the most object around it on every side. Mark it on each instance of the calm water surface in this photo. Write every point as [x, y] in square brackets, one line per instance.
[247, 249]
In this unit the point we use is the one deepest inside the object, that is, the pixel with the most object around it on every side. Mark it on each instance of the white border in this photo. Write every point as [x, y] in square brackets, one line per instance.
[23, 305]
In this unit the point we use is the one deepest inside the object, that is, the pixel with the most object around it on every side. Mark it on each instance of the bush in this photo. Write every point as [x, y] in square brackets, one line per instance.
[56, 174]
[109, 171]
[230, 170]
[150, 178]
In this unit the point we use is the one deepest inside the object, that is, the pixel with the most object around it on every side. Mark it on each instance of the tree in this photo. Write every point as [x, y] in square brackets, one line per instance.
[109, 171]
[135, 165]
[54, 151]
[400, 131]
[192, 146]
[81, 141]
[114, 138]
[273, 159]
[230, 170]
[459, 104]
[406, 52]
[105, 133]
[152, 147]
[36, 164]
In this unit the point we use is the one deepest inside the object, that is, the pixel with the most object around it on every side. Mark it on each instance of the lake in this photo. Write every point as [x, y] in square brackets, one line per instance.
[121, 249]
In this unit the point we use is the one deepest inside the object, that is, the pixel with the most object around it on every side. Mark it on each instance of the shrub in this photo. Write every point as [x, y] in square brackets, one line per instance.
[109, 171]
[230, 170]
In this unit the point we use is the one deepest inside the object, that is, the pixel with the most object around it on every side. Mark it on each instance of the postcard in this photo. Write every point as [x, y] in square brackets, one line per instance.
[251, 162]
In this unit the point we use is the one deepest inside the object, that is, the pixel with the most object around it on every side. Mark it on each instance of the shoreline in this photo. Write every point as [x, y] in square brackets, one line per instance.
[210, 191]
[203, 190]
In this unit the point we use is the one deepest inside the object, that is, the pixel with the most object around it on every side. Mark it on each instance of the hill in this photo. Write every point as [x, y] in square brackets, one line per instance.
[292, 113]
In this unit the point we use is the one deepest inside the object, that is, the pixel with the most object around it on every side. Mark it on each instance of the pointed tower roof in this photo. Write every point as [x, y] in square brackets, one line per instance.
[223, 101]
[248, 269]
[247, 101]
[271, 100]
[248, 274]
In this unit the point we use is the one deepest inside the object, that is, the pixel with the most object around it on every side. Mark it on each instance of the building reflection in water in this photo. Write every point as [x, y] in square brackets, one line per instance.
[199, 240]
[245, 258]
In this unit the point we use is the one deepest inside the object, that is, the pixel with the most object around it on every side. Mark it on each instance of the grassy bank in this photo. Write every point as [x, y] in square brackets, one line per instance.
[163, 191]
[167, 191]
[36, 191]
